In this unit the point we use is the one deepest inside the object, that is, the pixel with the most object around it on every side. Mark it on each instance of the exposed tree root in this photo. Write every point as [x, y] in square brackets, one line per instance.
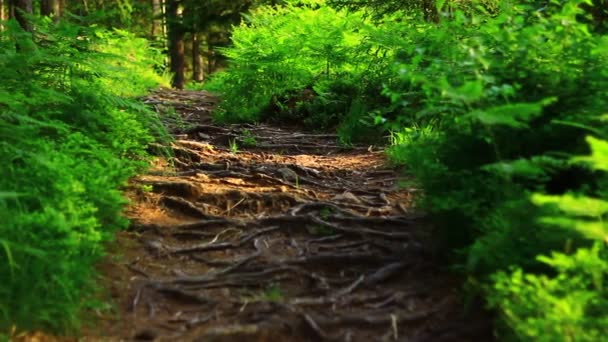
[291, 238]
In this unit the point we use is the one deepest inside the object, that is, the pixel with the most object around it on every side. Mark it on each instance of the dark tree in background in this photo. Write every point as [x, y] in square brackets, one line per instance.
[196, 28]
[20, 9]
[197, 58]
[50, 8]
[176, 35]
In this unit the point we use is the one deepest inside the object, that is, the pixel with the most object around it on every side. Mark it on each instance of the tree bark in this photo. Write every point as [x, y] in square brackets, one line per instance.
[197, 59]
[176, 43]
[156, 18]
[3, 16]
[49, 8]
[21, 9]
[45, 8]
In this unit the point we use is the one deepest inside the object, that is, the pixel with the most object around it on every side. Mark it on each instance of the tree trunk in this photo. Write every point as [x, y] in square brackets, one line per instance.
[49, 8]
[176, 43]
[83, 9]
[197, 59]
[3, 15]
[163, 9]
[45, 8]
[21, 9]
[156, 18]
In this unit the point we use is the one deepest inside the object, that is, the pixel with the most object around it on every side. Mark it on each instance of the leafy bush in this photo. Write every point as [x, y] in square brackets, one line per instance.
[492, 109]
[565, 307]
[571, 303]
[485, 107]
[501, 102]
[69, 140]
[304, 63]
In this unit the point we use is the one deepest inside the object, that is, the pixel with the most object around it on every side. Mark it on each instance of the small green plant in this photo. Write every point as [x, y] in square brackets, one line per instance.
[320, 230]
[248, 139]
[233, 146]
[326, 212]
[146, 188]
[274, 294]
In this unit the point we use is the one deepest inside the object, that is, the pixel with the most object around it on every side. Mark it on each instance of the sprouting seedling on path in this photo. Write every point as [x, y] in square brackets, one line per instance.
[234, 147]
[248, 139]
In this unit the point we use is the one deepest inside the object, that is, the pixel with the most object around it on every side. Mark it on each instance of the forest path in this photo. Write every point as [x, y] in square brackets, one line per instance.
[290, 238]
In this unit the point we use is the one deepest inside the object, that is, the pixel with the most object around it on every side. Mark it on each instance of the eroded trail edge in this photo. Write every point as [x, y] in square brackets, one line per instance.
[257, 233]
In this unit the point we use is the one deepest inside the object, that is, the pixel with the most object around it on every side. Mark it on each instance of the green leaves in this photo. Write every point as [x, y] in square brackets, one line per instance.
[282, 51]
[515, 115]
[509, 99]
[530, 169]
[469, 92]
[574, 205]
[569, 306]
[599, 154]
[584, 214]
[68, 143]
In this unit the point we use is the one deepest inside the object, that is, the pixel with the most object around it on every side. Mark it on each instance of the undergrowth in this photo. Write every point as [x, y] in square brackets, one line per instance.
[71, 134]
[303, 63]
[495, 110]
[498, 110]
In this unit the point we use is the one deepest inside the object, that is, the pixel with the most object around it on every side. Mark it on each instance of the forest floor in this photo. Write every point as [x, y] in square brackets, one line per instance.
[261, 233]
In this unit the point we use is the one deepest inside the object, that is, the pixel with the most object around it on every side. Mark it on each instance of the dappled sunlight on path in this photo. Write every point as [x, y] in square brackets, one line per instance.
[255, 233]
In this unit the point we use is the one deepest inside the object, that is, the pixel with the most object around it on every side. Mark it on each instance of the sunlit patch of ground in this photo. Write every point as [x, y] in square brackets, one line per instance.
[293, 238]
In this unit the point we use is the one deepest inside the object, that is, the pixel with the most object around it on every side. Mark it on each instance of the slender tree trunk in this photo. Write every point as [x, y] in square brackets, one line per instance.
[210, 58]
[197, 59]
[156, 18]
[3, 15]
[83, 7]
[21, 9]
[163, 9]
[176, 43]
[45, 8]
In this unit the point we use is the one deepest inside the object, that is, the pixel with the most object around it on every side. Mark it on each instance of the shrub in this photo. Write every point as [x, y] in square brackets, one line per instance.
[69, 140]
[303, 63]
[501, 102]
[570, 303]
[485, 108]
[492, 109]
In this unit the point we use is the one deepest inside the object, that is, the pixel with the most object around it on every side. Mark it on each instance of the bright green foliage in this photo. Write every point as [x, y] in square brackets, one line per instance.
[492, 109]
[566, 307]
[68, 141]
[571, 304]
[487, 107]
[503, 97]
[302, 63]
[127, 56]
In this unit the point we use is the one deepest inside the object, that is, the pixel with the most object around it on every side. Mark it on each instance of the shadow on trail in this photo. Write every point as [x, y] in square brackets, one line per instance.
[290, 238]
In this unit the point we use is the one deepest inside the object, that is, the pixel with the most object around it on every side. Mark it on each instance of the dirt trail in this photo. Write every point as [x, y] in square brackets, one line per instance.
[290, 238]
